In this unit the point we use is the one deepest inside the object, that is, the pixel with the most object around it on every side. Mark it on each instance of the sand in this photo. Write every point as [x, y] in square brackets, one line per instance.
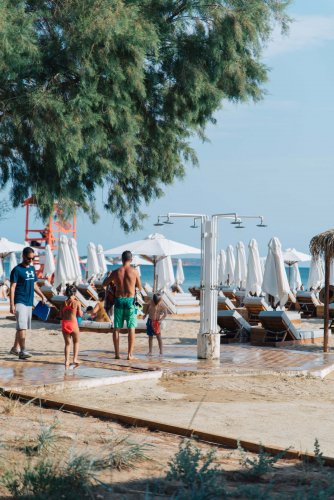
[280, 410]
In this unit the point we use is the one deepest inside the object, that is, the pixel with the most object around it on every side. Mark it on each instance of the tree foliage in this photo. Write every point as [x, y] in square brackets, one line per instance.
[109, 92]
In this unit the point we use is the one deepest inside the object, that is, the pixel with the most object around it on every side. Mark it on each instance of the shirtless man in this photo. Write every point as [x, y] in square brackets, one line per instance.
[126, 279]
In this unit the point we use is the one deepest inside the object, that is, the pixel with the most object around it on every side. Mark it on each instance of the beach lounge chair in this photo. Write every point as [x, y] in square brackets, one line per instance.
[308, 303]
[254, 306]
[225, 304]
[290, 305]
[185, 304]
[278, 328]
[240, 297]
[229, 292]
[88, 291]
[107, 327]
[233, 327]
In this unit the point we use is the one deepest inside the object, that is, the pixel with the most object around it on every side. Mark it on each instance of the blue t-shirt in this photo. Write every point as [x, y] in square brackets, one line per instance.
[25, 278]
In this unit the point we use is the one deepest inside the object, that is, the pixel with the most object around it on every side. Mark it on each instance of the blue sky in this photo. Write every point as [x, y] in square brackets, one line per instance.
[274, 158]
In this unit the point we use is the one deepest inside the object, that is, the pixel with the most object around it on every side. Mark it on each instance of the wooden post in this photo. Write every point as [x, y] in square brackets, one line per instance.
[326, 305]
[154, 273]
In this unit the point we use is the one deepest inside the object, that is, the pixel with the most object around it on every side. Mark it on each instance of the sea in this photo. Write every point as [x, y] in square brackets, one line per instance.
[192, 274]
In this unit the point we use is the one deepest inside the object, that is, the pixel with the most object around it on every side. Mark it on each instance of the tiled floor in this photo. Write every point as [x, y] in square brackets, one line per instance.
[238, 359]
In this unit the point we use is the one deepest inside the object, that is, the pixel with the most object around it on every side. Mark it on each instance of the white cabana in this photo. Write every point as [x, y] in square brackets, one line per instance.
[254, 270]
[221, 267]
[7, 247]
[73, 247]
[102, 261]
[165, 273]
[155, 247]
[275, 281]
[295, 281]
[49, 262]
[12, 261]
[240, 271]
[92, 268]
[179, 276]
[64, 272]
[316, 276]
[230, 266]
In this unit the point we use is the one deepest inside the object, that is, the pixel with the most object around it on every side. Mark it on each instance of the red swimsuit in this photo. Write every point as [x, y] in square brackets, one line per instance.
[69, 325]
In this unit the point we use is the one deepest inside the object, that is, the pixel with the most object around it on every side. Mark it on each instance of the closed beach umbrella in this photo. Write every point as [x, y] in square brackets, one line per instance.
[254, 270]
[101, 260]
[296, 281]
[155, 247]
[275, 281]
[316, 276]
[240, 272]
[2, 272]
[49, 262]
[12, 261]
[64, 272]
[179, 277]
[73, 247]
[221, 267]
[230, 265]
[92, 268]
[165, 273]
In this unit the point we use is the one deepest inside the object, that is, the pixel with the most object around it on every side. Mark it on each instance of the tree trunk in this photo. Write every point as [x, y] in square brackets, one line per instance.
[326, 305]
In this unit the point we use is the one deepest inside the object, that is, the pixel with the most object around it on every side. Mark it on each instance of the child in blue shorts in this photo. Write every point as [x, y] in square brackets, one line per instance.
[156, 312]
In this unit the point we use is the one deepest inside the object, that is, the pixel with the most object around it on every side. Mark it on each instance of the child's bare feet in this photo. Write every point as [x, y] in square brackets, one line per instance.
[131, 357]
[117, 356]
[67, 365]
[149, 354]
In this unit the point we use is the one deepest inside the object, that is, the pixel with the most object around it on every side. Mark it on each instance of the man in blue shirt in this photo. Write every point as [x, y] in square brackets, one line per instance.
[22, 287]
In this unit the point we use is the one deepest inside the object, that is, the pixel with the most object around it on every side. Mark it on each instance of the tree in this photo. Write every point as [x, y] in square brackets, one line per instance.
[109, 92]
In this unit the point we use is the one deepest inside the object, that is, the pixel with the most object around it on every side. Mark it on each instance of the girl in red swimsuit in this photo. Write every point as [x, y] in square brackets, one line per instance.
[69, 325]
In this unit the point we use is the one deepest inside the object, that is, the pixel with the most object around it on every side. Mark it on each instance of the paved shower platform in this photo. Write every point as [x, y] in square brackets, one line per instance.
[98, 368]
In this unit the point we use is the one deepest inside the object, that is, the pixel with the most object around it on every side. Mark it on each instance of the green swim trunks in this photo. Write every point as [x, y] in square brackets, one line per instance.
[125, 310]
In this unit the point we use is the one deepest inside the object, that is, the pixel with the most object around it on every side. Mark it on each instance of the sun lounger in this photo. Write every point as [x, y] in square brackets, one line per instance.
[233, 327]
[88, 291]
[308, 303]
[58, 300]
[225, 304]
[240, 297]
[278, 328]
[291, 302]
[98, 285]
[229, 292]
[254, 306]
[107, 327]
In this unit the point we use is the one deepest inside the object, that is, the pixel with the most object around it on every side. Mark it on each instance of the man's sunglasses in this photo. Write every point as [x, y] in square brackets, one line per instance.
[29, 258]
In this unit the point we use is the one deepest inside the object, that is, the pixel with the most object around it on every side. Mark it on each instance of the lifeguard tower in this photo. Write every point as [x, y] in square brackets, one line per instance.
[51, 232]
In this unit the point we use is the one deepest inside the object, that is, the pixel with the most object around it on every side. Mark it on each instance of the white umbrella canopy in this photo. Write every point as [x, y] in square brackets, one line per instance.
[73, 247]
[49, 262]
[240, 271]
[254, 270]
[92, 268]
[291, 255]
[139, 261]
[154, 247]
[101, 260]
[7, 247]
[64, 272]
[316, 276]
[179, 276]
[295, 281]
[275, 281]
[230, 265]
[12, 261]
[165, 273]
[221, 266]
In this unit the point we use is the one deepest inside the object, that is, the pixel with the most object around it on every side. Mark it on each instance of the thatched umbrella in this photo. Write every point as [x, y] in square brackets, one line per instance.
[322, 245]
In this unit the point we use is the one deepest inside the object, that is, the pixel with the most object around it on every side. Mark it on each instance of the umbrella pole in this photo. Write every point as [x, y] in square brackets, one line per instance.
[154, 274]
[326, 305]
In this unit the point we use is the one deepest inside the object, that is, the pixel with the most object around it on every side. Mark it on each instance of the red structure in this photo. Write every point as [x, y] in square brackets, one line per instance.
[51, 232]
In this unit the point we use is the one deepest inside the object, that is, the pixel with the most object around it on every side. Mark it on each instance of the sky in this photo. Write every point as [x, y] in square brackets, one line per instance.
[274, 158]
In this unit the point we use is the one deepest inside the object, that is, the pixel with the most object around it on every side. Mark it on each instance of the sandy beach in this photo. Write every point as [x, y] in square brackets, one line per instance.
[272, 409]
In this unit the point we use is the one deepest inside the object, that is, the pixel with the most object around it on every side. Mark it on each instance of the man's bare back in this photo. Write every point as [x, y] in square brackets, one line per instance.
[126, 279]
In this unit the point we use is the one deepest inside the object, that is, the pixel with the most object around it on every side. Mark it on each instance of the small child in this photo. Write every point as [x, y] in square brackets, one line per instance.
[156, 312]
[69, 325]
